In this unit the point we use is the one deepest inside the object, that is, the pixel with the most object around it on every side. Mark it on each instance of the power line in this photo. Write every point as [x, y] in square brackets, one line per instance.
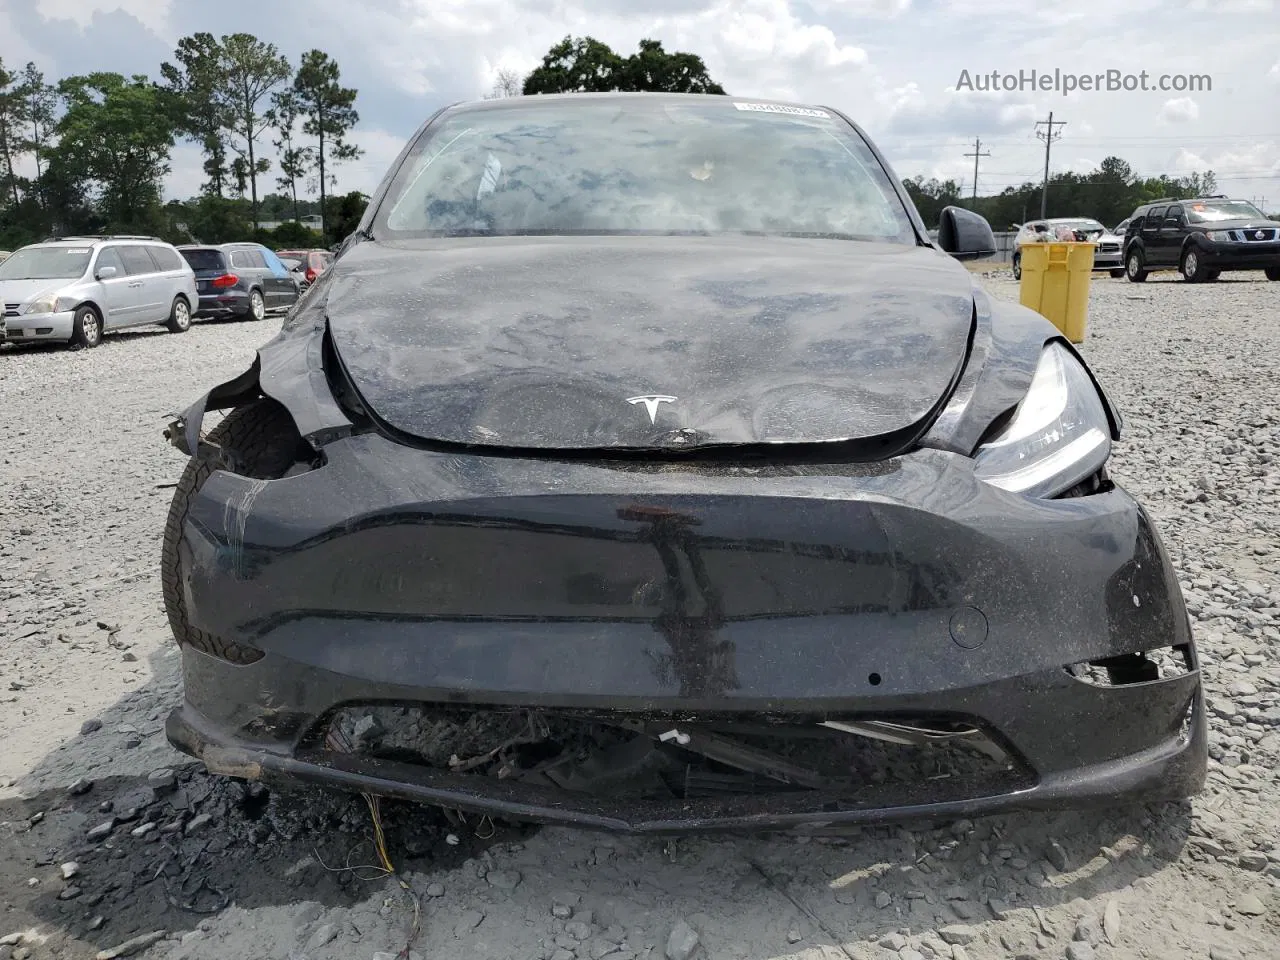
[977, 147]
[1048, 136]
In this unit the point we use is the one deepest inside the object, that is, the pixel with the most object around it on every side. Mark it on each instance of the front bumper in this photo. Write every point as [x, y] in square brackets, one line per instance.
[1256, 255]
[36, 326]
[906, 588]
[1108, 259]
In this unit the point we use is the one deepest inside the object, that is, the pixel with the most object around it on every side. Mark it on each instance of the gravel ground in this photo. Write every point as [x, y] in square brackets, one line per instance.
[106, 835]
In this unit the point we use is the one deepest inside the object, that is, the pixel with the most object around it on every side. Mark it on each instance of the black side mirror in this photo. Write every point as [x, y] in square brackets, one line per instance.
[965, 235]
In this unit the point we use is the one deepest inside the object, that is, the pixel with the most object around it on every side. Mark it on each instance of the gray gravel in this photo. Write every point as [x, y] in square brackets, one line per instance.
[81, 460]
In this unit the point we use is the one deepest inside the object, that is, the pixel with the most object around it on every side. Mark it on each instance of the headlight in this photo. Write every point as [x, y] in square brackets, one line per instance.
[1058, 436]
[47, 305]
[1220, 236]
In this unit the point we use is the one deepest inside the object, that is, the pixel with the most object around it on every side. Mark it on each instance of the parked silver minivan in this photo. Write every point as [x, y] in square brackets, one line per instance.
[76, 288]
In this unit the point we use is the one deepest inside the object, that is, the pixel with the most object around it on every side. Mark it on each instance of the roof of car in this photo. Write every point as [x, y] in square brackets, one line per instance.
[97, 238]
[218, 246]
[1167, 200]
[535, 100]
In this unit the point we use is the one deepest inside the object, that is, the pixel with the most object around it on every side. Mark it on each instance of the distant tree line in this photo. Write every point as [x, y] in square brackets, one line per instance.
[1109, 194]
[97, 147]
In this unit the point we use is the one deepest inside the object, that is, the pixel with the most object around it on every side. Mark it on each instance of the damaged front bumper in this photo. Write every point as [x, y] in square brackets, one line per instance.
[664, 647]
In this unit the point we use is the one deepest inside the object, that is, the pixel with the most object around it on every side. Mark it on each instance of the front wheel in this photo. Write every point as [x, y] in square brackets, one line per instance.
[179, 316]
[1193, 269]
[1017, 268]
[1117, 273]
[86, 327]
[257, 441]
[1133, 267]
[1273, 273]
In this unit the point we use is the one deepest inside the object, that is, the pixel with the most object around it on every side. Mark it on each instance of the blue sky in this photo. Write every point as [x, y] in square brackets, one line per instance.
[893, 65]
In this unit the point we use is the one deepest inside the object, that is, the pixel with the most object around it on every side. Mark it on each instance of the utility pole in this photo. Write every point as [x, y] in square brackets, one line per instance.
[1048, 136]
[977, 146]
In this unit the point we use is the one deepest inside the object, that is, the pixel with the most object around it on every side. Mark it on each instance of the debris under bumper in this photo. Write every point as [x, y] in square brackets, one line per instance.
[684, 648]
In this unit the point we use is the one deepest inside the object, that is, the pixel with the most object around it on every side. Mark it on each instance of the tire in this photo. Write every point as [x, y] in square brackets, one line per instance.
[1273, 273]
[1017, 268]
[257, 306]
[179, 316]
[1213, 275]
[1193, 268]
[261, 442]
[1117, 273]
[86, 327]
[1134, 268]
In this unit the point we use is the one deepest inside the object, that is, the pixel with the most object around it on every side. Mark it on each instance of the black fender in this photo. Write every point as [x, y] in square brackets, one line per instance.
[1193, 240]
[1007, 342]
[290, 369]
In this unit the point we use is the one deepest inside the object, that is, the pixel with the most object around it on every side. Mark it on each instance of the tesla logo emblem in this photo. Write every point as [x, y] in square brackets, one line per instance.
[651, 401]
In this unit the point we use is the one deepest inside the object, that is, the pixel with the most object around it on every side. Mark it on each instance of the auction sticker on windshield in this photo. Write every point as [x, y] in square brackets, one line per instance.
[782, 108]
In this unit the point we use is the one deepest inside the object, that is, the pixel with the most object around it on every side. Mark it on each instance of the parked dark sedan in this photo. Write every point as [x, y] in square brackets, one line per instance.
[640, 463]
[240, 280]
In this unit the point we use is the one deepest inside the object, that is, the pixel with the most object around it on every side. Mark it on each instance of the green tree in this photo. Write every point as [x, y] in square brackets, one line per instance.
[13, 116]
[329, 113]
[251, 69]
[576, 65]
[41, 103]
[930, 196]
[343, 215]
[294, 160]
[585, 65]
[652, 68]
[115, 137]
[196, 103]
[294, 235]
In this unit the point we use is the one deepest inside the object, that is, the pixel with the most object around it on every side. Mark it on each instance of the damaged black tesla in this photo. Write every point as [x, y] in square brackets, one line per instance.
[642, 464]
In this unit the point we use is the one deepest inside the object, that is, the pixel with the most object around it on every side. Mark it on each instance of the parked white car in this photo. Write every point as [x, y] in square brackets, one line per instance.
[74, 289]
[1107, 255]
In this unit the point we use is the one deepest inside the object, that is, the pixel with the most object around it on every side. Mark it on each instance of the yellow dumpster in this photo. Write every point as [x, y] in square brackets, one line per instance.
[1055, 284]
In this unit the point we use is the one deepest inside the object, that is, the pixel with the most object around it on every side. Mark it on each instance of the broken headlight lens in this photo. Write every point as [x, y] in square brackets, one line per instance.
[1058, 436]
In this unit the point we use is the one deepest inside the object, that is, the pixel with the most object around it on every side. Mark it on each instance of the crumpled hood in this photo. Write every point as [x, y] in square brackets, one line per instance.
[624, 342]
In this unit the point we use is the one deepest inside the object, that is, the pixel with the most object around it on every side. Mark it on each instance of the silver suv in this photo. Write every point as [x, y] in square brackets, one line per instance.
[76, 288]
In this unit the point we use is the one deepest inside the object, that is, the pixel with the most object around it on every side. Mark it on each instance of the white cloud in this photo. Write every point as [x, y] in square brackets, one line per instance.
[1179, 110]
[380, 150]
[1261, 160]
[408, 57]
[15, 49]
[186, 173]
[1234, 6]
[862, 8]
[151, 13]
[753, 47]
